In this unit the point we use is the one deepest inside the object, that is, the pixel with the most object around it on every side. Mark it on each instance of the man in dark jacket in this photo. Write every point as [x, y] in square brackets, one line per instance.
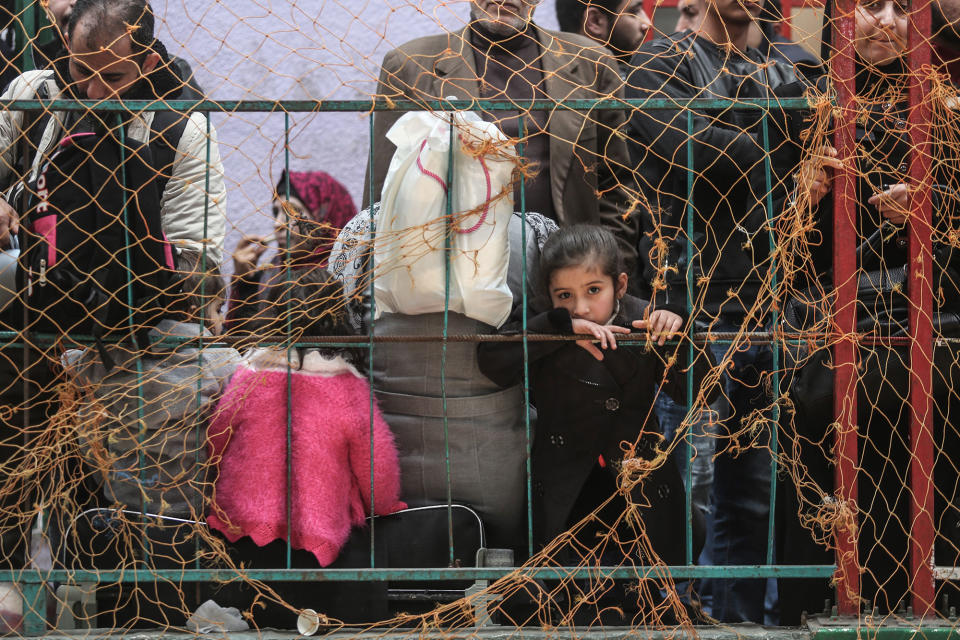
[706, 176]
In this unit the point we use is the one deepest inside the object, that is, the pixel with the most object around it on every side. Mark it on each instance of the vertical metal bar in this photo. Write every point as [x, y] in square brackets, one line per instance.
[649, 7]
[786, 27]
[26, 26]
[203, 311]
[373, 312]
[919, 282]
[688, 440]
[775, 342]
[528, 439]
[141, 430]
[34, 609]
[447, 231]
[289, 332]
[845, 315]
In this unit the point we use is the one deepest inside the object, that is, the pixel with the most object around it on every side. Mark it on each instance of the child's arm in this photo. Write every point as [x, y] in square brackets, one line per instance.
[502, 362]
[386, 465]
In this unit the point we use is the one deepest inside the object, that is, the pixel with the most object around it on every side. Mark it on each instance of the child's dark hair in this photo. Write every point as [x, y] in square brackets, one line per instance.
[197, 287]
[580, 245]
[307, 301]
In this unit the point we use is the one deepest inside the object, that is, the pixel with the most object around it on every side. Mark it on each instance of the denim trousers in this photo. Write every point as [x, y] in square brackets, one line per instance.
[730, 474]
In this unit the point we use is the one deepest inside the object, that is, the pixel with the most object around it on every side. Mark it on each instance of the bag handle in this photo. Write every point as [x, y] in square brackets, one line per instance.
[443, 184]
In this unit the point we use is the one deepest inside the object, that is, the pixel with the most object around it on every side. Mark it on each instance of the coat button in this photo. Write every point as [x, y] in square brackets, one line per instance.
[612, 404]
[663, 491]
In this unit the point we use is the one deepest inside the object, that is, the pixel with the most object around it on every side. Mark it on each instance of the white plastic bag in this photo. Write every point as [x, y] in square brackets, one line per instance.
[409, 267]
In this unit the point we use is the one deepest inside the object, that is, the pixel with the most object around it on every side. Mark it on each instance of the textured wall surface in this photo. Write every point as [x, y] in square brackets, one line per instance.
[289, 50]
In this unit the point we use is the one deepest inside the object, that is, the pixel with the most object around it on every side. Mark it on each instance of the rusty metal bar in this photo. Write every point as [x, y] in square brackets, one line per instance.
[919, 282]
[843, 69]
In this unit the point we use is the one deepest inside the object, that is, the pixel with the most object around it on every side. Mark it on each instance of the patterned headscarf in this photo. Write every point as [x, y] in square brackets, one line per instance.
[324, 197]
[327, 201]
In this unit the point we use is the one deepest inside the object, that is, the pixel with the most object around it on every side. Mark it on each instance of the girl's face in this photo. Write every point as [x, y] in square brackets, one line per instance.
[586, 292]
[881, 31]
[285, 212]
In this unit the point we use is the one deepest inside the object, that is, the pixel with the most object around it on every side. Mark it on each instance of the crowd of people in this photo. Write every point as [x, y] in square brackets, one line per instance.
[651, 220]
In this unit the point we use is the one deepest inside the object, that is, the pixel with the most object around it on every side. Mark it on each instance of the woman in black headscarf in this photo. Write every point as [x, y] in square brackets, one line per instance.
[880, 160]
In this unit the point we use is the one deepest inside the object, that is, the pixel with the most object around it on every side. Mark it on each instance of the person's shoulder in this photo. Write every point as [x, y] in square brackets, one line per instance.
[425, 45]
[568, 43]
[28, 83]
[677, 43]
[665, 54]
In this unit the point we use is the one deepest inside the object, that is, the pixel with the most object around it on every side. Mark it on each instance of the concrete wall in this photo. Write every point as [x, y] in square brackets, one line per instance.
[289, 50]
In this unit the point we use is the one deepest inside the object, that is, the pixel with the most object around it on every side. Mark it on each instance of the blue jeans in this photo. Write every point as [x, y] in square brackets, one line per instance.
[697, 446]
[740, 491]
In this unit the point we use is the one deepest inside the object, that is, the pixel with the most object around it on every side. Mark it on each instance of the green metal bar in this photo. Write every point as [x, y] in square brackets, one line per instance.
[899, 630]
[313, 106]
[26, 26]
[448, 230]
[141, 417]
[352, 341]
[775, 410]
[527, 432]
[26, 577]
[34, 608]
[688, 441]
[370, 341]
[290, 347]
[203, 312]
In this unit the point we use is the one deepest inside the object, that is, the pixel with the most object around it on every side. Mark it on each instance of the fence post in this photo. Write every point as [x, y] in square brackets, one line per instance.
[845, 314]
[919, 283]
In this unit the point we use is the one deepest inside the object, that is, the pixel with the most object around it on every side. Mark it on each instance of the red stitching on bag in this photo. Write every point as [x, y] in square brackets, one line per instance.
[486, 175]
[424, 171]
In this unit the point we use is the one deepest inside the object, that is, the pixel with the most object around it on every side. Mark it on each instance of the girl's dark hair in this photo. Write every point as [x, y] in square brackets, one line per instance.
[306, 302]
[578, 245]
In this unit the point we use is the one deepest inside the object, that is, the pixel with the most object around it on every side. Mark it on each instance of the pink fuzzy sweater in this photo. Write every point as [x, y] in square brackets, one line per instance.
[330, 447]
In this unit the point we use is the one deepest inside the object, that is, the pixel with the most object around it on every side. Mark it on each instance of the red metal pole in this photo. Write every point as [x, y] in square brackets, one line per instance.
[649, 6]
[845, 283]
[786, 28]
[920, 281]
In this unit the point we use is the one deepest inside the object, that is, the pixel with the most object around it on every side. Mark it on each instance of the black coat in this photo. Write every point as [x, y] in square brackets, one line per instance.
[587, 409]
[882, 155]
[727, 191]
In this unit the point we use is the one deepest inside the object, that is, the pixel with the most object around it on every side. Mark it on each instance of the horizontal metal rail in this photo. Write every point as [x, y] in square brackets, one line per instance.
[294, 106]
[13, 338]
[415, 574]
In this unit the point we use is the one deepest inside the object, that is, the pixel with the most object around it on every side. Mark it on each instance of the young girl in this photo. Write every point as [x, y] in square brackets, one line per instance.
[590, 400]
[330, 421]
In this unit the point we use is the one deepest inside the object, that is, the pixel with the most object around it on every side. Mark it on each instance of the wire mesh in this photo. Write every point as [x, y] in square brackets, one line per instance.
[393, 413]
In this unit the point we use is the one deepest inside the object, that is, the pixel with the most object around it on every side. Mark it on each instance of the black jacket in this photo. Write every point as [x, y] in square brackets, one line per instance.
[883, 153]
[728, 185]
[588, 408]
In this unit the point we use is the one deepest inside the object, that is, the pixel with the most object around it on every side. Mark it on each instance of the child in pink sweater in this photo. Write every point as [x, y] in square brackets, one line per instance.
[330, 433]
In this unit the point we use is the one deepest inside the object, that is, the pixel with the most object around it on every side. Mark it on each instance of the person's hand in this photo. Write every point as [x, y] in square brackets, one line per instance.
[813, 177]
[893, 203]
[247, 254]
[9, 223]
[602, 333]
[660, 326]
